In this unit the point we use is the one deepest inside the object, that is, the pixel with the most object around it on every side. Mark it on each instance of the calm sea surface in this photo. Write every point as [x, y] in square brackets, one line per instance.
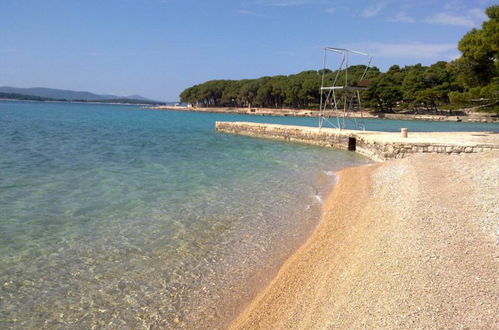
[115, 216]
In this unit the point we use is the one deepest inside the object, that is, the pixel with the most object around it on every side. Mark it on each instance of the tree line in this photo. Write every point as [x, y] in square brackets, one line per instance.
[469, 81]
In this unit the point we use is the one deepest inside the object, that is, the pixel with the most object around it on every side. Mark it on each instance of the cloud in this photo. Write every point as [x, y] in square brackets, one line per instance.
[373, 10]
[450, 19]
[330, 10]
[402, 17]
[408, 50]
[252, 13]
[453, 5]
[280, 3]
[478, 14]
[287, 3]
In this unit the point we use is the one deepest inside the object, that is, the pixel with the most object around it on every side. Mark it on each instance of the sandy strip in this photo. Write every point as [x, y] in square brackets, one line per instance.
[409, 243]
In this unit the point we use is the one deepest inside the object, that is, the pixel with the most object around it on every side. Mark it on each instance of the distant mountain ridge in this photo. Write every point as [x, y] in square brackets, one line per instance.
[69, 95]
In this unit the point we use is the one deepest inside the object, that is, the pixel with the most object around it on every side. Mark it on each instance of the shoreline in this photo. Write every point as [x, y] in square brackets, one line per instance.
[472, 117]
[398, 246]
[77, 102]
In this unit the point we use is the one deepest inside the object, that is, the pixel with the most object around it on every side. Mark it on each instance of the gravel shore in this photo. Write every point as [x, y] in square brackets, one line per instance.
[410, 243]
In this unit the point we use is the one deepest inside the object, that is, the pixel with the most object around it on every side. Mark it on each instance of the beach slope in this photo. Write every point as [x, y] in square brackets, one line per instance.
[403, 244]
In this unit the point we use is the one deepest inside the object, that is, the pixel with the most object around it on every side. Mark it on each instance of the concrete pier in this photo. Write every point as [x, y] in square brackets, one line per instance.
[378, 146]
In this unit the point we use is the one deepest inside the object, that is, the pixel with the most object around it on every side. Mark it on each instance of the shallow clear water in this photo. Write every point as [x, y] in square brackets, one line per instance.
[117, 216]
[122, 217]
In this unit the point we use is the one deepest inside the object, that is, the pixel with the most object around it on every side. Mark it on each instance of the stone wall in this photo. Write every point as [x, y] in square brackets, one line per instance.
[381, 151]
[308, 135]
[374, 145]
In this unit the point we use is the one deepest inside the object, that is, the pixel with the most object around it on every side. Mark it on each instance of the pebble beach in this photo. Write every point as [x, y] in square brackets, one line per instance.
[408, 243]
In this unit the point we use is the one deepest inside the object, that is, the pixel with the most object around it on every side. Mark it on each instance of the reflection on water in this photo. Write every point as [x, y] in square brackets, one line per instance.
[118, 217]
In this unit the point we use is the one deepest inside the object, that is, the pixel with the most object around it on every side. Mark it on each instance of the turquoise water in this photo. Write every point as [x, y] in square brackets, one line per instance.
[123, 217]
[377, 124]
[115, 216]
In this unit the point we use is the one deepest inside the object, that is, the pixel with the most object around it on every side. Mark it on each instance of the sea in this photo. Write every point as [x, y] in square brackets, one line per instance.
[116, 216]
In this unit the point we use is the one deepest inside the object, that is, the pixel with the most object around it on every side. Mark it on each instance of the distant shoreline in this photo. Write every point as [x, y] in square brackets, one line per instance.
[78, 102]
[471, 117]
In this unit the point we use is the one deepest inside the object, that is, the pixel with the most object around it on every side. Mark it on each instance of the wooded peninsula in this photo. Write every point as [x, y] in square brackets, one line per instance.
[470, 81]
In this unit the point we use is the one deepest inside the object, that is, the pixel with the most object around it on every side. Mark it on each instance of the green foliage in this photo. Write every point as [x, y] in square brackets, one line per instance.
[477, 69]
[412, 88]
[479, 62]
[385, 91]
[300, 90]
[484, 98]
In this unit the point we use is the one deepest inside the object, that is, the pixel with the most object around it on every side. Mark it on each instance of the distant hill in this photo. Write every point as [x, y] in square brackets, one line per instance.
[69, 95]
[15, 96]
[137, 97]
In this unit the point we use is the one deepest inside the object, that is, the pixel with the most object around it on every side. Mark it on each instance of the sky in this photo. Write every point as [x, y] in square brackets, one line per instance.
[157, 48]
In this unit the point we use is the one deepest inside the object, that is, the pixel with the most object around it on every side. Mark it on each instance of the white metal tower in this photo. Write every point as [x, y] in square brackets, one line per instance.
[339, 98]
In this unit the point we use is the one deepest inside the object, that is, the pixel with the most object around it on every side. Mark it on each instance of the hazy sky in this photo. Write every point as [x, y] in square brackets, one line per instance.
[157, 48]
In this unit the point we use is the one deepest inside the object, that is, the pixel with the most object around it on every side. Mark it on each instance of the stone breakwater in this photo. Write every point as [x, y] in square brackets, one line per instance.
[378, 146]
